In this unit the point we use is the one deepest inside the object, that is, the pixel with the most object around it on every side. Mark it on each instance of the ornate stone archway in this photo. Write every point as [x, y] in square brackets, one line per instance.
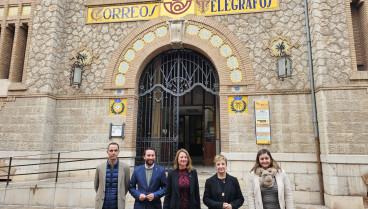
[201, 34]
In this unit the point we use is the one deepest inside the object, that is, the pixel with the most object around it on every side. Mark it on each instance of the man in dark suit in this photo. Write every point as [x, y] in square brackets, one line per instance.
[151, 181]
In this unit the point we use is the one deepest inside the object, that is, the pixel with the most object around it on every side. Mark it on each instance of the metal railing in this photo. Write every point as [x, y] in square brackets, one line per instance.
[58, 162]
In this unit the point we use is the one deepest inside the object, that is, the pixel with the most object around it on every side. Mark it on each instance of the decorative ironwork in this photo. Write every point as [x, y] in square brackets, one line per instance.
[167, 77]
[184, 68]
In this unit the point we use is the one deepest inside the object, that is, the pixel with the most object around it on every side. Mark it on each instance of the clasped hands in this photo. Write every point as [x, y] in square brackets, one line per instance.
[150, 197]
[226, 206]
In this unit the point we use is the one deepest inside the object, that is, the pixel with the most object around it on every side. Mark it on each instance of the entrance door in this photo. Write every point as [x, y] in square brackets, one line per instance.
[209, 134]
[164, 87]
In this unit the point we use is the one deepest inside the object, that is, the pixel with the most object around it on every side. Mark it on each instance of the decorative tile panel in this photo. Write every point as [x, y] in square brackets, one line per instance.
[119, 92]
[120, 80]
[192, 29]
[129, 55]
[237, 104]
[118, 107]
[232, 62]
[225, 50]
[87, 55]
[123, 67]
[149, 37]
[161, 31]
[278, 45]
[138, 45]
[236, 75]
[204, 33]
[216, 41]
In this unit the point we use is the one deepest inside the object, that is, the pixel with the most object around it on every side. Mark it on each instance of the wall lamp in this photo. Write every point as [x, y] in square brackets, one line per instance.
[283, 62]
[77, 70]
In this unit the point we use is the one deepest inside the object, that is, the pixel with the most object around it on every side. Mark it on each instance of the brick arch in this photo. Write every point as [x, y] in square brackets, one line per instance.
[160, 44]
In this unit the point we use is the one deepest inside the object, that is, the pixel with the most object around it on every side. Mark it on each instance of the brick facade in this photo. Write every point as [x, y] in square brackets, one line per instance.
[41, 112]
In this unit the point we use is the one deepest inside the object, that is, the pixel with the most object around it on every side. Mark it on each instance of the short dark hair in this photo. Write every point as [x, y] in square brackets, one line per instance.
[113, 143]
[149, 148]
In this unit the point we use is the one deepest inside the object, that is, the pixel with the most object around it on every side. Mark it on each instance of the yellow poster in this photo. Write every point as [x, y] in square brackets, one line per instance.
[123, 13]
[177, 8]
[118, 106]
[216, 7]
[263, 126]
[261, 105]
[237, 104]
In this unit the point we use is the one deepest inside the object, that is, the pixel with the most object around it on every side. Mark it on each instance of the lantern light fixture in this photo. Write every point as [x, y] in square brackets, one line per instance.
[283, 62]
[77, 70]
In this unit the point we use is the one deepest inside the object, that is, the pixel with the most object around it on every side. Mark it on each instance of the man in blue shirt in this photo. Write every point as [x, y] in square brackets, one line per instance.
[111, 181]
[151, 181]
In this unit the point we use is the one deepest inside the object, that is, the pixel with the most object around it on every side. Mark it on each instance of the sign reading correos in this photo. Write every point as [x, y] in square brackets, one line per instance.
[177, 8]
[123, 13]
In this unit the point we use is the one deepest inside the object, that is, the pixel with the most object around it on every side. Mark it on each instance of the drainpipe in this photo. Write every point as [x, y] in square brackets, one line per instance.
[315, 121]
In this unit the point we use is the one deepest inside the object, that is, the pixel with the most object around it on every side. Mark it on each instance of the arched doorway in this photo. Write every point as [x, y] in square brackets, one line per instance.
[177, 107]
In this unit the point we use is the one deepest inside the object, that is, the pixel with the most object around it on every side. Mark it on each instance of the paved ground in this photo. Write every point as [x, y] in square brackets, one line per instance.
[130, 206]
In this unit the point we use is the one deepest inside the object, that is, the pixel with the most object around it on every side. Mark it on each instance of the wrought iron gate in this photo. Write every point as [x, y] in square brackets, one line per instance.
[165, 79]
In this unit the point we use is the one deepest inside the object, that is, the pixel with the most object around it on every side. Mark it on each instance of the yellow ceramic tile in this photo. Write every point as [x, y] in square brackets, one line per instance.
[13, 11]
[237, 104]
[26, 10]
[118, 106]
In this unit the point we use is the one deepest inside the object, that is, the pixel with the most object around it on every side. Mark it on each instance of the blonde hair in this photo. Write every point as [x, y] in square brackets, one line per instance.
[189, 163]
[218, 158]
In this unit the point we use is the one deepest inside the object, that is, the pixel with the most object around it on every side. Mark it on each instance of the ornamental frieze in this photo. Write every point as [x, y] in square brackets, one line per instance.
[177, 9]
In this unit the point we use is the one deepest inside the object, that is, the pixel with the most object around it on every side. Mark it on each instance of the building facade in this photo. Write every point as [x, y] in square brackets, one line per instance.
[207, 75]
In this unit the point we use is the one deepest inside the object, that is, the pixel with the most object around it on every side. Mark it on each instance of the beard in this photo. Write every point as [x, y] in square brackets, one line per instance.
[150, 162]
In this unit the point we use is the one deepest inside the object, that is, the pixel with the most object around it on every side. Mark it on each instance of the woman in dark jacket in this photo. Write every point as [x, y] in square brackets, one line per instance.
[222, 191]
[182, 190]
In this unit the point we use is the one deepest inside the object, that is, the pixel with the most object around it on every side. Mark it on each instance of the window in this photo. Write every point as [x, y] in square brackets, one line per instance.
[19, 53]
[14, 18]
[360, 32]
[6, 50]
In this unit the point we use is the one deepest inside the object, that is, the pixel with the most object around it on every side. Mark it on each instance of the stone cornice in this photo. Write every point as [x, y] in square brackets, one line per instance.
[343, 87]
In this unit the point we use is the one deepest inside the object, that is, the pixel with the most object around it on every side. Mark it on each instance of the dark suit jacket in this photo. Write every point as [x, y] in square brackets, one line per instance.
[172, 196]
[233, 193]
[157, 186]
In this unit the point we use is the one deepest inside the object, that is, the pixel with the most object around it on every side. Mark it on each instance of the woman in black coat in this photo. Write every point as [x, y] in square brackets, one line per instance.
[222, 191]
[182, 190]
